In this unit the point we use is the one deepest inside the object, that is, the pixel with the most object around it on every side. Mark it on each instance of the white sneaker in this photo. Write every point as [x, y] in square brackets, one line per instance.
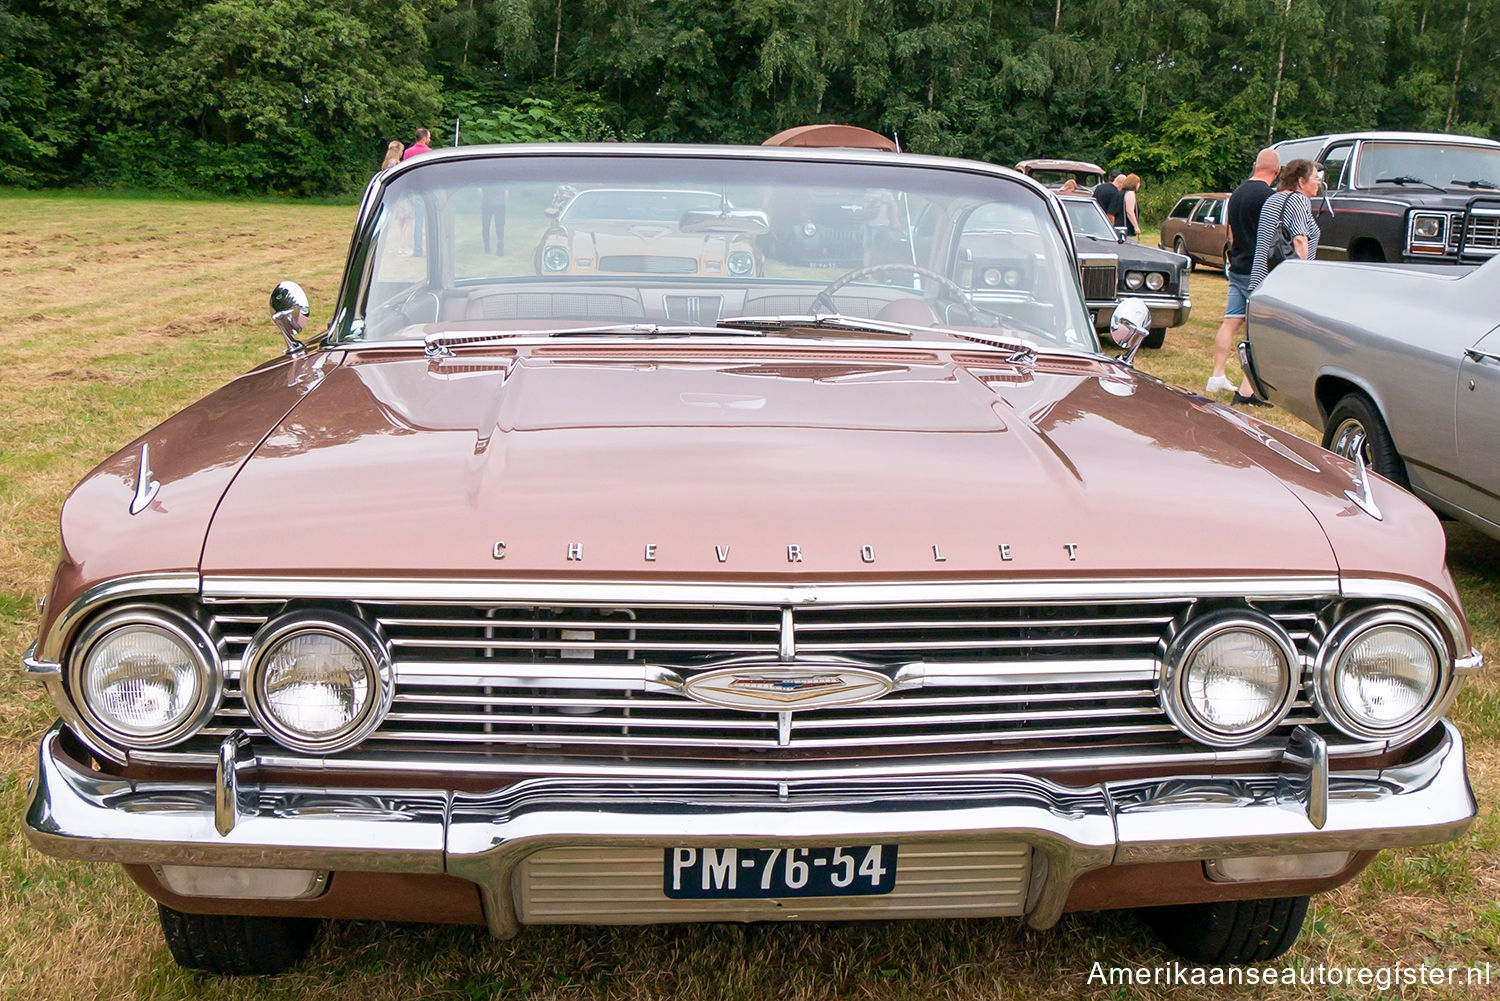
[1220, 384]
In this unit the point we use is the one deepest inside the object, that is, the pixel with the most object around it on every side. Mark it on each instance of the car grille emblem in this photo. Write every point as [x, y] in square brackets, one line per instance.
[786, 687]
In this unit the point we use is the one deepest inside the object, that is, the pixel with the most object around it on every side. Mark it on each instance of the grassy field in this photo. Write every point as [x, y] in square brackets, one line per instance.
[123, 310]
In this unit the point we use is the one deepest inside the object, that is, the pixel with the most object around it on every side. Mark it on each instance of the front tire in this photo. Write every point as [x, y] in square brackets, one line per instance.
[1355, 427]
[1230, 931]
[236, 945]
[1178, 247]
[1156, 338]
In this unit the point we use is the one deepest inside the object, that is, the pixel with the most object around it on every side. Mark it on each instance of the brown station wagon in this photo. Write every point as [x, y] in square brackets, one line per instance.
[1198, 228]
[518, 598]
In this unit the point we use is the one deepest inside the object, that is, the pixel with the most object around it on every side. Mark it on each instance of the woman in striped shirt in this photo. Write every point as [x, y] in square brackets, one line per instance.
[1291, 205]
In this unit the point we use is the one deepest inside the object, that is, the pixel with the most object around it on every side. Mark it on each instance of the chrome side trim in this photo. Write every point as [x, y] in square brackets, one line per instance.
[51, 644]
[1468, 665]
[552, 591]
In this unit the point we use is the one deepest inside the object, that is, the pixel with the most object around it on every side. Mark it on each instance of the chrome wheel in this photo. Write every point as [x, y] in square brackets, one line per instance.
[1178, 247]
[1349, 439]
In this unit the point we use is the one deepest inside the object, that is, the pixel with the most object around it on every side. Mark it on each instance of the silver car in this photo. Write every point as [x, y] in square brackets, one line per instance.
[1398, 364]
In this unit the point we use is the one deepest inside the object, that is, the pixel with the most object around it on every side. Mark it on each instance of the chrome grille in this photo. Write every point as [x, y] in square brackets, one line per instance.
[512, 679]
[1483, 236]
[1099, 280]
[648, 264]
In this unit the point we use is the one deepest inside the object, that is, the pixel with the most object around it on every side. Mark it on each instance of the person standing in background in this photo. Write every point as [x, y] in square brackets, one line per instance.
[1110, 198]
[1243, 214]
[418, 223]
[392, 155]
[1130, 214]
[420, 146]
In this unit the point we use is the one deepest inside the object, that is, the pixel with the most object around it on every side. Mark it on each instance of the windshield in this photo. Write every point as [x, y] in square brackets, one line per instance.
[1088, 219]
[1433, 163]
[578, 241]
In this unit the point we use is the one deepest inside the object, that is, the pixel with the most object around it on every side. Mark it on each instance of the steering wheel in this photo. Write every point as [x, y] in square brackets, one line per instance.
[824, 299]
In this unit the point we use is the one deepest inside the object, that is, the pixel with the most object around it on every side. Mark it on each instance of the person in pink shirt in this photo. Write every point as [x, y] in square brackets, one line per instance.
[420, 146]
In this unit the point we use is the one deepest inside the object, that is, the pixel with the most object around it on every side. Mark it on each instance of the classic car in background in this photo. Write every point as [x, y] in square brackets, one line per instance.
[644, 231]
[1113, 268]
[1198, 229]
[1055, 173]
[520, 599]
[1431, 198]
[1399, 366]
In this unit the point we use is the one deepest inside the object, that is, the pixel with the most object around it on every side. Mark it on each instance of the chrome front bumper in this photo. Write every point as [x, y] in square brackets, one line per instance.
[78, 813]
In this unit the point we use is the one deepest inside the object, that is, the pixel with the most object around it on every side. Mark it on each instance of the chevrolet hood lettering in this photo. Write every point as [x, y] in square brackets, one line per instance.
[786, 687]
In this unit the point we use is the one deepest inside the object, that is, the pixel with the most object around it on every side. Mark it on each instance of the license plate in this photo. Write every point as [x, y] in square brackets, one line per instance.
[739, 873]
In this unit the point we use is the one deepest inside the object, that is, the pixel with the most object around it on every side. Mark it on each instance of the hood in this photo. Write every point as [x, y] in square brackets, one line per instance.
[795, 463]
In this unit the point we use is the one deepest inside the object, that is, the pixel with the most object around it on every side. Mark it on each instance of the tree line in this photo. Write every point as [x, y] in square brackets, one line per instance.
[300, 96]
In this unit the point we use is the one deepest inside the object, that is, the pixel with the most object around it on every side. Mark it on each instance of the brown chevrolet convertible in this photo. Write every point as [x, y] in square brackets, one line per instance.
[525, 596]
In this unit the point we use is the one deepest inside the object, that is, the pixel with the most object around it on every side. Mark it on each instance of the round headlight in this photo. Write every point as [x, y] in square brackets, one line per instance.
[1012, 278]
[1134, 280]
[1155, 280]
[146, 677]
[809, 229]
[1229, 678]
[555, 258]
[317, 681]
[992, 277]
[741, 263]
[1380, 673]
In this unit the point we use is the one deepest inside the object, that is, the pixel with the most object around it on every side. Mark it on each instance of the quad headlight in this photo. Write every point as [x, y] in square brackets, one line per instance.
[1134, 280]
[1229, 678]
[317, 681]
[1156, 281]
[145, 677]
[1380, 674]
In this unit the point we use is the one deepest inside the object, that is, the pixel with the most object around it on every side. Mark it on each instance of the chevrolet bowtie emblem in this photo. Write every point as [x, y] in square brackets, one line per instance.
[787, 687]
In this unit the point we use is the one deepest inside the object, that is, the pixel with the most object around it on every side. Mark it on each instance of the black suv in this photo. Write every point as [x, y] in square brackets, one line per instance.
[1417, 197]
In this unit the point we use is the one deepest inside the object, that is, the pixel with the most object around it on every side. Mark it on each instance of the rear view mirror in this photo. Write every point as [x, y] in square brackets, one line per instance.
[724, 221]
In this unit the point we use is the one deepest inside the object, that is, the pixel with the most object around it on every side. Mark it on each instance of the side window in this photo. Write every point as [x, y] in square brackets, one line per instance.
[1334, 163]
[1205, 211]
[1183, 208]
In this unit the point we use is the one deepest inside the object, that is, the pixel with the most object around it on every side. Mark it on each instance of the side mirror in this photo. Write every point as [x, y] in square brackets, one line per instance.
[1129, 326]
[289, 312]
[1119, 234]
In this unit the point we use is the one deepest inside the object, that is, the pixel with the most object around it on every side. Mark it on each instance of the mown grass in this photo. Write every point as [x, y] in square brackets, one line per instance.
[122, 310]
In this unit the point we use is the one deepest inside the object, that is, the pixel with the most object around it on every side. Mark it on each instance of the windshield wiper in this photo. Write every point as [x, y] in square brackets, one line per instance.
[1021, 351]
[1406, 179]
[823, 321]
[1477, 184]
[441, 345]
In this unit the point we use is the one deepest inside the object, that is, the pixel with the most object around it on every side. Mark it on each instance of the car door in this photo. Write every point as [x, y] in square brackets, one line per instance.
[1477, 414]
[1334, 232]
[1200, 229]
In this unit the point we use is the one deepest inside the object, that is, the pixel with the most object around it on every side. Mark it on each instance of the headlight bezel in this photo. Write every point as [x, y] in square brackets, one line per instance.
[352, 630]
[202, 648]
[1186, 644]
[1339, 640]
